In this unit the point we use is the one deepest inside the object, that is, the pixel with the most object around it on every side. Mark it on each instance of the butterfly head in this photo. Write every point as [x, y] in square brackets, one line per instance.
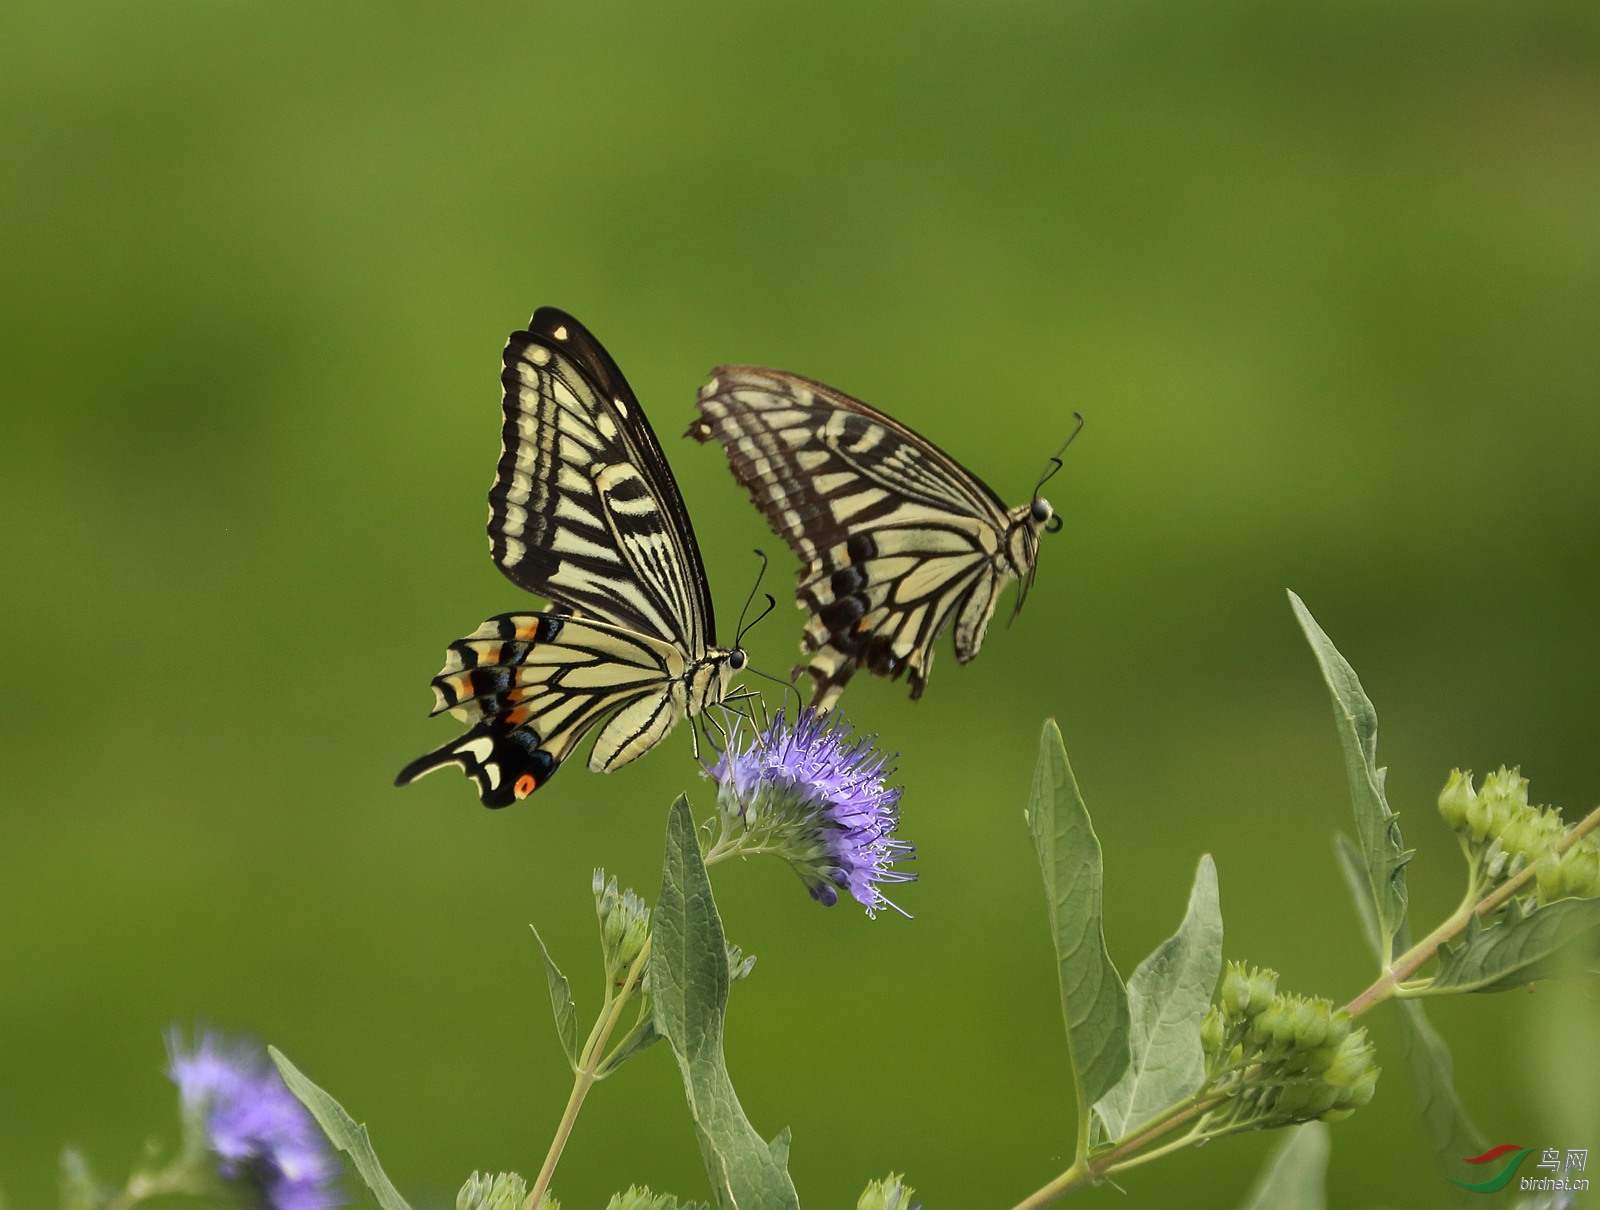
[1022, 542]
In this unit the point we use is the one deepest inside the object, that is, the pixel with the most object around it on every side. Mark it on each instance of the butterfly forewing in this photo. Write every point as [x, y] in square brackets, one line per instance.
[584, 510]
[896, 537]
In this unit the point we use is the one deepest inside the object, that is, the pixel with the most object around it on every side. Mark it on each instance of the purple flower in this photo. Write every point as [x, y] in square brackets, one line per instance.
[815, 795]
[261, 1135]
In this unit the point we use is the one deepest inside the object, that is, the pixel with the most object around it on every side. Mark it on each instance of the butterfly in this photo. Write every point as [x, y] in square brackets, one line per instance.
[896, 538]
[584, 512]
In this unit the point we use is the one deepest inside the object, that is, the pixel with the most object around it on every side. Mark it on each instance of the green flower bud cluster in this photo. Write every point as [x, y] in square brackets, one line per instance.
[891, 1193]
[507, 1191]
[1282, 1058]
[1504, 834]
[624, 925]
[639, 1197]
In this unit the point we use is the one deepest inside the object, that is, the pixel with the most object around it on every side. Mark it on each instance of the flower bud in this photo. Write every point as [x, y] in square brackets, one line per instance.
[1339, 1026]
[1479, 816]
[1494, 863]
[1456, 799]
[891, 1193]
[1311, 1027]
[1350, 1063]
[633, 937]
[505, 1191]
[1506, 790]
[1361, 1092]
[1337, 1115]
[1321, 1058]
[1293, 1098]
[1263, 986]
[1547, 872]
[1323, 1098]
[605, 897]
[1234, 998]
[1264, 1023]
[1580, 874]
[1213, 1031]
[1283, 1024]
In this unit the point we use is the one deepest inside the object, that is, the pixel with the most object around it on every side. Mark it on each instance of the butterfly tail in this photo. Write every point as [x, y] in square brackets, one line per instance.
[506, 764]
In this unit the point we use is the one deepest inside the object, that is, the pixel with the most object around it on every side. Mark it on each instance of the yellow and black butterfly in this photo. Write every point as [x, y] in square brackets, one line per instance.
[584, 512]
[896, 538]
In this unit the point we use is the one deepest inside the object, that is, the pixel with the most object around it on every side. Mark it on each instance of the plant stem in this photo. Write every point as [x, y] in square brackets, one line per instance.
[1091, 1172]
[179, 1177]
[1419, 954]
[589, 1060]
[1085, 1171]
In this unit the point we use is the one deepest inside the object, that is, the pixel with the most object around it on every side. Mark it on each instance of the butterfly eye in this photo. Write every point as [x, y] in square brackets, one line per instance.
[1041, 511]
[736, 659]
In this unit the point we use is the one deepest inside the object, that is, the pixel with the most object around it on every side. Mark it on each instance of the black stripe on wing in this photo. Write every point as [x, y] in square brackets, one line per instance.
[584, 510]
[822, 465]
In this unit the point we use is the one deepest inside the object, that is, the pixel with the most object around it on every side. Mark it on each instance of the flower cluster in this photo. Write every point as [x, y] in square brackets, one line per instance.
[1503, 835]
[624, 925]
[1282, 1058]
[891, 1193]
[261, 1136]
[817, 797]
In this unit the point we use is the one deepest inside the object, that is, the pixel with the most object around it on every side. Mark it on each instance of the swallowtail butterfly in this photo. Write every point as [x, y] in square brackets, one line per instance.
[896, 538]
[584, 512]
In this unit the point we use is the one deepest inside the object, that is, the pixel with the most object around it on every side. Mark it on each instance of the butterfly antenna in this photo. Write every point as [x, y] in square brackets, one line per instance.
[1054, 465]
[741, 628]
[1051, 526]
[744, 630]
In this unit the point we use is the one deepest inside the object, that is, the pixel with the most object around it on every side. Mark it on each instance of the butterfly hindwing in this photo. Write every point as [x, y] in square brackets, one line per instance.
[895, 537]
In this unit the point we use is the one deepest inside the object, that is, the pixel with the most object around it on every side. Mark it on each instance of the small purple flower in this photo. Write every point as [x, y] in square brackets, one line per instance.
[817, 796]
[261, 1135]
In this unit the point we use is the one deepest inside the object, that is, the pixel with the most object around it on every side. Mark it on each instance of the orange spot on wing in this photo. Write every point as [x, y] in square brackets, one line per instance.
[530, 632]
[526, 785]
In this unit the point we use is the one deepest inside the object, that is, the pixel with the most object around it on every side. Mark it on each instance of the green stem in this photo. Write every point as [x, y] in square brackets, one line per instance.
[592, 1057]
[589, 1060]
[1419, 954]
[181, 1176]
[1091, 1172]
[1131, 1153]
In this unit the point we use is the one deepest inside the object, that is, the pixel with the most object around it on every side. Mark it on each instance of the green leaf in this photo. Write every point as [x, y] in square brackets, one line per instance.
[1449, 1129]
[1093, 1000]
[1377, 828]
[689, 982]
[1516, 949]
[342, 1130]
[1168, 996]
[1295, 1174]
[640, 1038]
[560, 1003]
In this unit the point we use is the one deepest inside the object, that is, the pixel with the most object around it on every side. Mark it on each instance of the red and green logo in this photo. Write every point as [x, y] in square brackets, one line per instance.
[1500, 1179]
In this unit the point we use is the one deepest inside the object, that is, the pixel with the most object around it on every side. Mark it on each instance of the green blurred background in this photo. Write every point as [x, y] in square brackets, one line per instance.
[1324, 280]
